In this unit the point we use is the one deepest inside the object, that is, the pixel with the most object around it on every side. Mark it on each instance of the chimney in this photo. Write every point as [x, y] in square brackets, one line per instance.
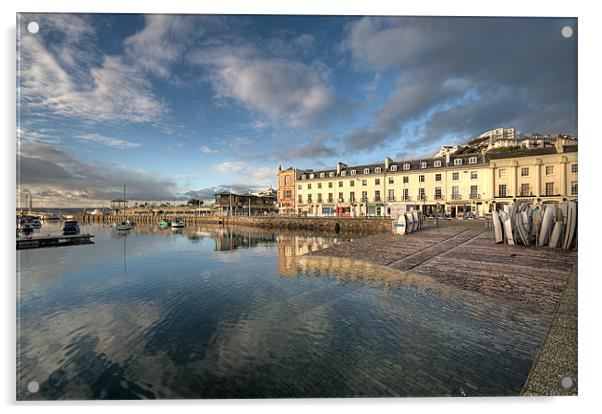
[388, 162]
[340, 166]
[447, 157]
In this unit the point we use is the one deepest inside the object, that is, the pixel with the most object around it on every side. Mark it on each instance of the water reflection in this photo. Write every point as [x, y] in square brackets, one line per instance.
[218, 312]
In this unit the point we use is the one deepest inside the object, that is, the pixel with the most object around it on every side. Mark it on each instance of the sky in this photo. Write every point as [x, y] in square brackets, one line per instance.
[181, 106]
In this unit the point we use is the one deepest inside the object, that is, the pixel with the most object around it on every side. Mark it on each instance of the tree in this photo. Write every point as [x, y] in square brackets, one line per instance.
[194, 202]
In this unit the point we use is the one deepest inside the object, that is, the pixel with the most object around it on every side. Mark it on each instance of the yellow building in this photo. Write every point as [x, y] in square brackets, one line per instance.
[453, 185]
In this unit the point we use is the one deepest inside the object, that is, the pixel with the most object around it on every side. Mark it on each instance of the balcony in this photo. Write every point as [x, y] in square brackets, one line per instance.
[438, 197]
[474, 196]
[456, 197]
[406, 198]
[390, 198]
[377, 199]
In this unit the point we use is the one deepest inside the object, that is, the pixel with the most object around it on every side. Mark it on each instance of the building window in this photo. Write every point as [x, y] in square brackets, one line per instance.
[311, 176]
[366, 170]
[351, 183]
[391, 180]
[437, 163]
[574, 188]
[502, 173]
[322, 175]
[524, 172]
[549, 189]
[406, 195]
[474, 175]
[549, 170]
[331, 174]
[472, 160]
[309, 198]
[309, 186]
[524, 189]
[421, 178]
[377, 170]
[353, 172]
[300, 199]
[406, 180]
[394, 167]
[319, 197]
[352, 197]
[406, 166]
[574, 168]
[391, 195]
[319, 185]
[303, 177]
[364, 182]
[455, 176]
[343, 173]
[501, 190]
[299, 187]
[287, 180]
[340, 183]
[377, 181]
[438, 177]
[330, 184]
[437, 193]
[455, 192]
[458, 161]
[330, 197]
[288, 194]
[474, 191]
[421, 195]
[364, 196]
[377, 195]
[423, 164]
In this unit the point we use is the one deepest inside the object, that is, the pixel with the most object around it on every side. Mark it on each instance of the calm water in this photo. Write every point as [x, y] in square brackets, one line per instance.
[232, 313]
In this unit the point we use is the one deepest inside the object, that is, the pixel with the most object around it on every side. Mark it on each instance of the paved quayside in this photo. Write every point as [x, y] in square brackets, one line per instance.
[467, 258]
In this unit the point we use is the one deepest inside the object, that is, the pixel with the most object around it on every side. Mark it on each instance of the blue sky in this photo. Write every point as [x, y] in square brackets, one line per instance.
[180, 106]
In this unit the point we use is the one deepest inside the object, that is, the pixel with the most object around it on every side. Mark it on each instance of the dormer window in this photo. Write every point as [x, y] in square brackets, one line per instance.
[343, 173]
[322, 175]
[437, 164]
[377, 169]
[366, 170]
[311, 176]
[304, 177]
[458, 161]
[423, 164]
[472, 160]
[331, 174]
[353, 172]
[406, 166]
[393, 167]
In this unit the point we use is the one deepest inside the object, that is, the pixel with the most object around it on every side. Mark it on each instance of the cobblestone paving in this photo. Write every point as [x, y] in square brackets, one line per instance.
[557, 357]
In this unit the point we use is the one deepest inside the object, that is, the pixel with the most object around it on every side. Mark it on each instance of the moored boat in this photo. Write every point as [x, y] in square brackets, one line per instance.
[178, 224]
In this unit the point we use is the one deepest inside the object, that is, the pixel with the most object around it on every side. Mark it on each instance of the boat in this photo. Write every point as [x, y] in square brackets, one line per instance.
[409, 222]
[556, 233]
[546, 225]
[571, 225]
[416, 220]
[400, 224]
[164, 223]
[178, 224]
[26, 230]
[508, 232]
[497, 227]
[70, 227]
[124, 225]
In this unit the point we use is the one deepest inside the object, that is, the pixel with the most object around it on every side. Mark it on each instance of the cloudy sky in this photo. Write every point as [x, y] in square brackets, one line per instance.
[178, 106]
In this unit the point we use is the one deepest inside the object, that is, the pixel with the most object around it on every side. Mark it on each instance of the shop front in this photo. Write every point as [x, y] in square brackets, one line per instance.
[343, 210]
[375, 209]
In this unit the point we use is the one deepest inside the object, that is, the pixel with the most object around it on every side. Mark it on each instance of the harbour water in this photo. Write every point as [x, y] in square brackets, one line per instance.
[213, 312]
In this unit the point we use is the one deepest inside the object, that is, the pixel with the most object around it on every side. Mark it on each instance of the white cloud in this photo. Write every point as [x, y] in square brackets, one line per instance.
[229, 167]
[255, 176]
[108, 141]
[107, 90]
[205, 149]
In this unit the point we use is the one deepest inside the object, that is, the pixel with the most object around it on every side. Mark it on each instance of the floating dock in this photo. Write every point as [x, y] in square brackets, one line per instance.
[53, 241]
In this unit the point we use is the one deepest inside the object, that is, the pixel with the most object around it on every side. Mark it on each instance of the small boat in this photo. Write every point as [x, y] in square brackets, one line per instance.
[124, 225]
[497, 227]
[164, 223]
[409, 222]
[400, 224]
[571, 225]
[70, 227]
[178, 224]
[35, 223]
[546, 225]
[26, 230]
[508, 232]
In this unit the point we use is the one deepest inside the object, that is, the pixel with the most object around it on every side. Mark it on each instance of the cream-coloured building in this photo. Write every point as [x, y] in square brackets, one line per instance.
[453, 185]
